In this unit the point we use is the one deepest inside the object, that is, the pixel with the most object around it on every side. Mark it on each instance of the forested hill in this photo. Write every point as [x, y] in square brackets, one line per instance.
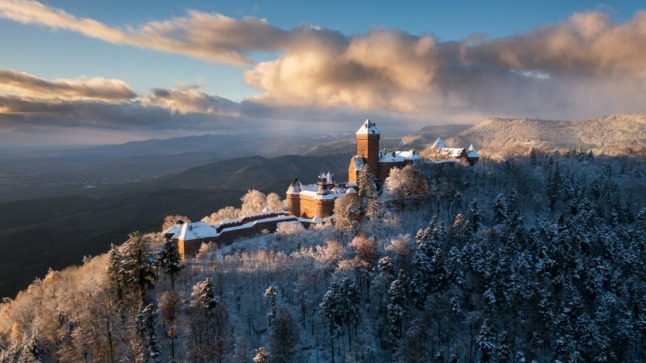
[532, 259]
[613, 134]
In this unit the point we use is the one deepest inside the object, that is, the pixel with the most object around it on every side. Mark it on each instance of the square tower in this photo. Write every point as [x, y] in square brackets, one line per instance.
[368, 137]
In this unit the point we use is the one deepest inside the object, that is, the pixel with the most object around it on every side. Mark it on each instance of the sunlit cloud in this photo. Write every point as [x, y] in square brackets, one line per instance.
[205, 36]
[188, 99]
[583, 66]
[24, 84]
[548, 72]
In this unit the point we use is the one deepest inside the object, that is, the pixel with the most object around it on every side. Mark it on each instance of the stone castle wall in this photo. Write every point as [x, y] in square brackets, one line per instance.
[310, 207]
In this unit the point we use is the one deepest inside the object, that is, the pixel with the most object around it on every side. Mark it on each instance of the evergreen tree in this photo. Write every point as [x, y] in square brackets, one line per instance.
[211, 317]
[137, 267]
[115, 272]
[486, 341]
[269, 298]
[340, 307]
[170, 260]
[500, 209]
[283, 339]
[396, 308]
[147, 346]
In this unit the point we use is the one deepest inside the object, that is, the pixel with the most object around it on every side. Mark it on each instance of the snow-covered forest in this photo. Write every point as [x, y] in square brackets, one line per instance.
[537, 258]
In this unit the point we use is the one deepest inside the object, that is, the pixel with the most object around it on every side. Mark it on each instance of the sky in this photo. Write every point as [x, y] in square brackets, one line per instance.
[79, 72]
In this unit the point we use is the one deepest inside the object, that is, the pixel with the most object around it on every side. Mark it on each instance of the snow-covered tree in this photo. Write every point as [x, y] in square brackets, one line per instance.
[170, 260]
[274, 202]
[487, 341]
[253, 202]
[269, 298]
[340, 308]
[262, 356]
[347, 211]
[148, 350]
[137, 268]
[406, 185]
[396, 307]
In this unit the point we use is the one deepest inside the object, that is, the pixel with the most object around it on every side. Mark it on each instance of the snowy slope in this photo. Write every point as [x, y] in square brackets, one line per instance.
[608, 134]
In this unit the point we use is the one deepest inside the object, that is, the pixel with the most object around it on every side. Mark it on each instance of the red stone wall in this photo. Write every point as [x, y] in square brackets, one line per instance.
[352, 172]
[368, 148]
[294, 204]
[311, 207]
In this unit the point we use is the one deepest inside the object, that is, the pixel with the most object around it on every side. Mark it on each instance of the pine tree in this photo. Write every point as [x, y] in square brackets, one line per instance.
[137, 265]
[170, 260]
[340, 307]
[283, 338]
[475, 216]
[486, 341]
[114, 271]
[500, 209]
[148, 349]
[209, 322]
[396, 308]
[269, 298]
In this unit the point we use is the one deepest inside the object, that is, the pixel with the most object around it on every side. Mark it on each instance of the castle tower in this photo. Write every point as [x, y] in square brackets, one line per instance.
[294, 198]
[368, 137]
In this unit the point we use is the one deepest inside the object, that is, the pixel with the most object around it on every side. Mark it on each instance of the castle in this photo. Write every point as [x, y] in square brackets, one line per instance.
[439, 151]
[314, 203]
[317, 200]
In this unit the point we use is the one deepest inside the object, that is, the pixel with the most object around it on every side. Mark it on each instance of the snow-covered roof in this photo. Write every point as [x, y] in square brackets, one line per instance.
[330, 177]
[454, 152]
[295, 187]
[358, 162]
[253, 223]
[315, 220]
[439, 144]
[368, 128]
[472, 152]
[196, 230]
[174, 229]
[334, 192]
[398, 156]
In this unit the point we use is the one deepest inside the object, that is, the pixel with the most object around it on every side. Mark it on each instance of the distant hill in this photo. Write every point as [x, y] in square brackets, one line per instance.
[427, 135]
[614, 134]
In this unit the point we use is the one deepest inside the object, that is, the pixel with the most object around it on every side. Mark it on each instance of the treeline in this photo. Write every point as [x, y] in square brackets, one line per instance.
[531, 259]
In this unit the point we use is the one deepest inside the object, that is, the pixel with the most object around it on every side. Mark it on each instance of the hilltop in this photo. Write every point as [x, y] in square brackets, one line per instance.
[535, 259]
[612, 135]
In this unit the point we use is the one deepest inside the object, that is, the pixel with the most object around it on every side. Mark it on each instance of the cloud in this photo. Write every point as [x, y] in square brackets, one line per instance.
[95, 88]
[583, 65]
[586, 42]
[205, 36]
[187, 99]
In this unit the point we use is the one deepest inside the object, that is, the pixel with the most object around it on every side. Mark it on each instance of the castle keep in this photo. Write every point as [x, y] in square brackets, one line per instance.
[317, 200]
